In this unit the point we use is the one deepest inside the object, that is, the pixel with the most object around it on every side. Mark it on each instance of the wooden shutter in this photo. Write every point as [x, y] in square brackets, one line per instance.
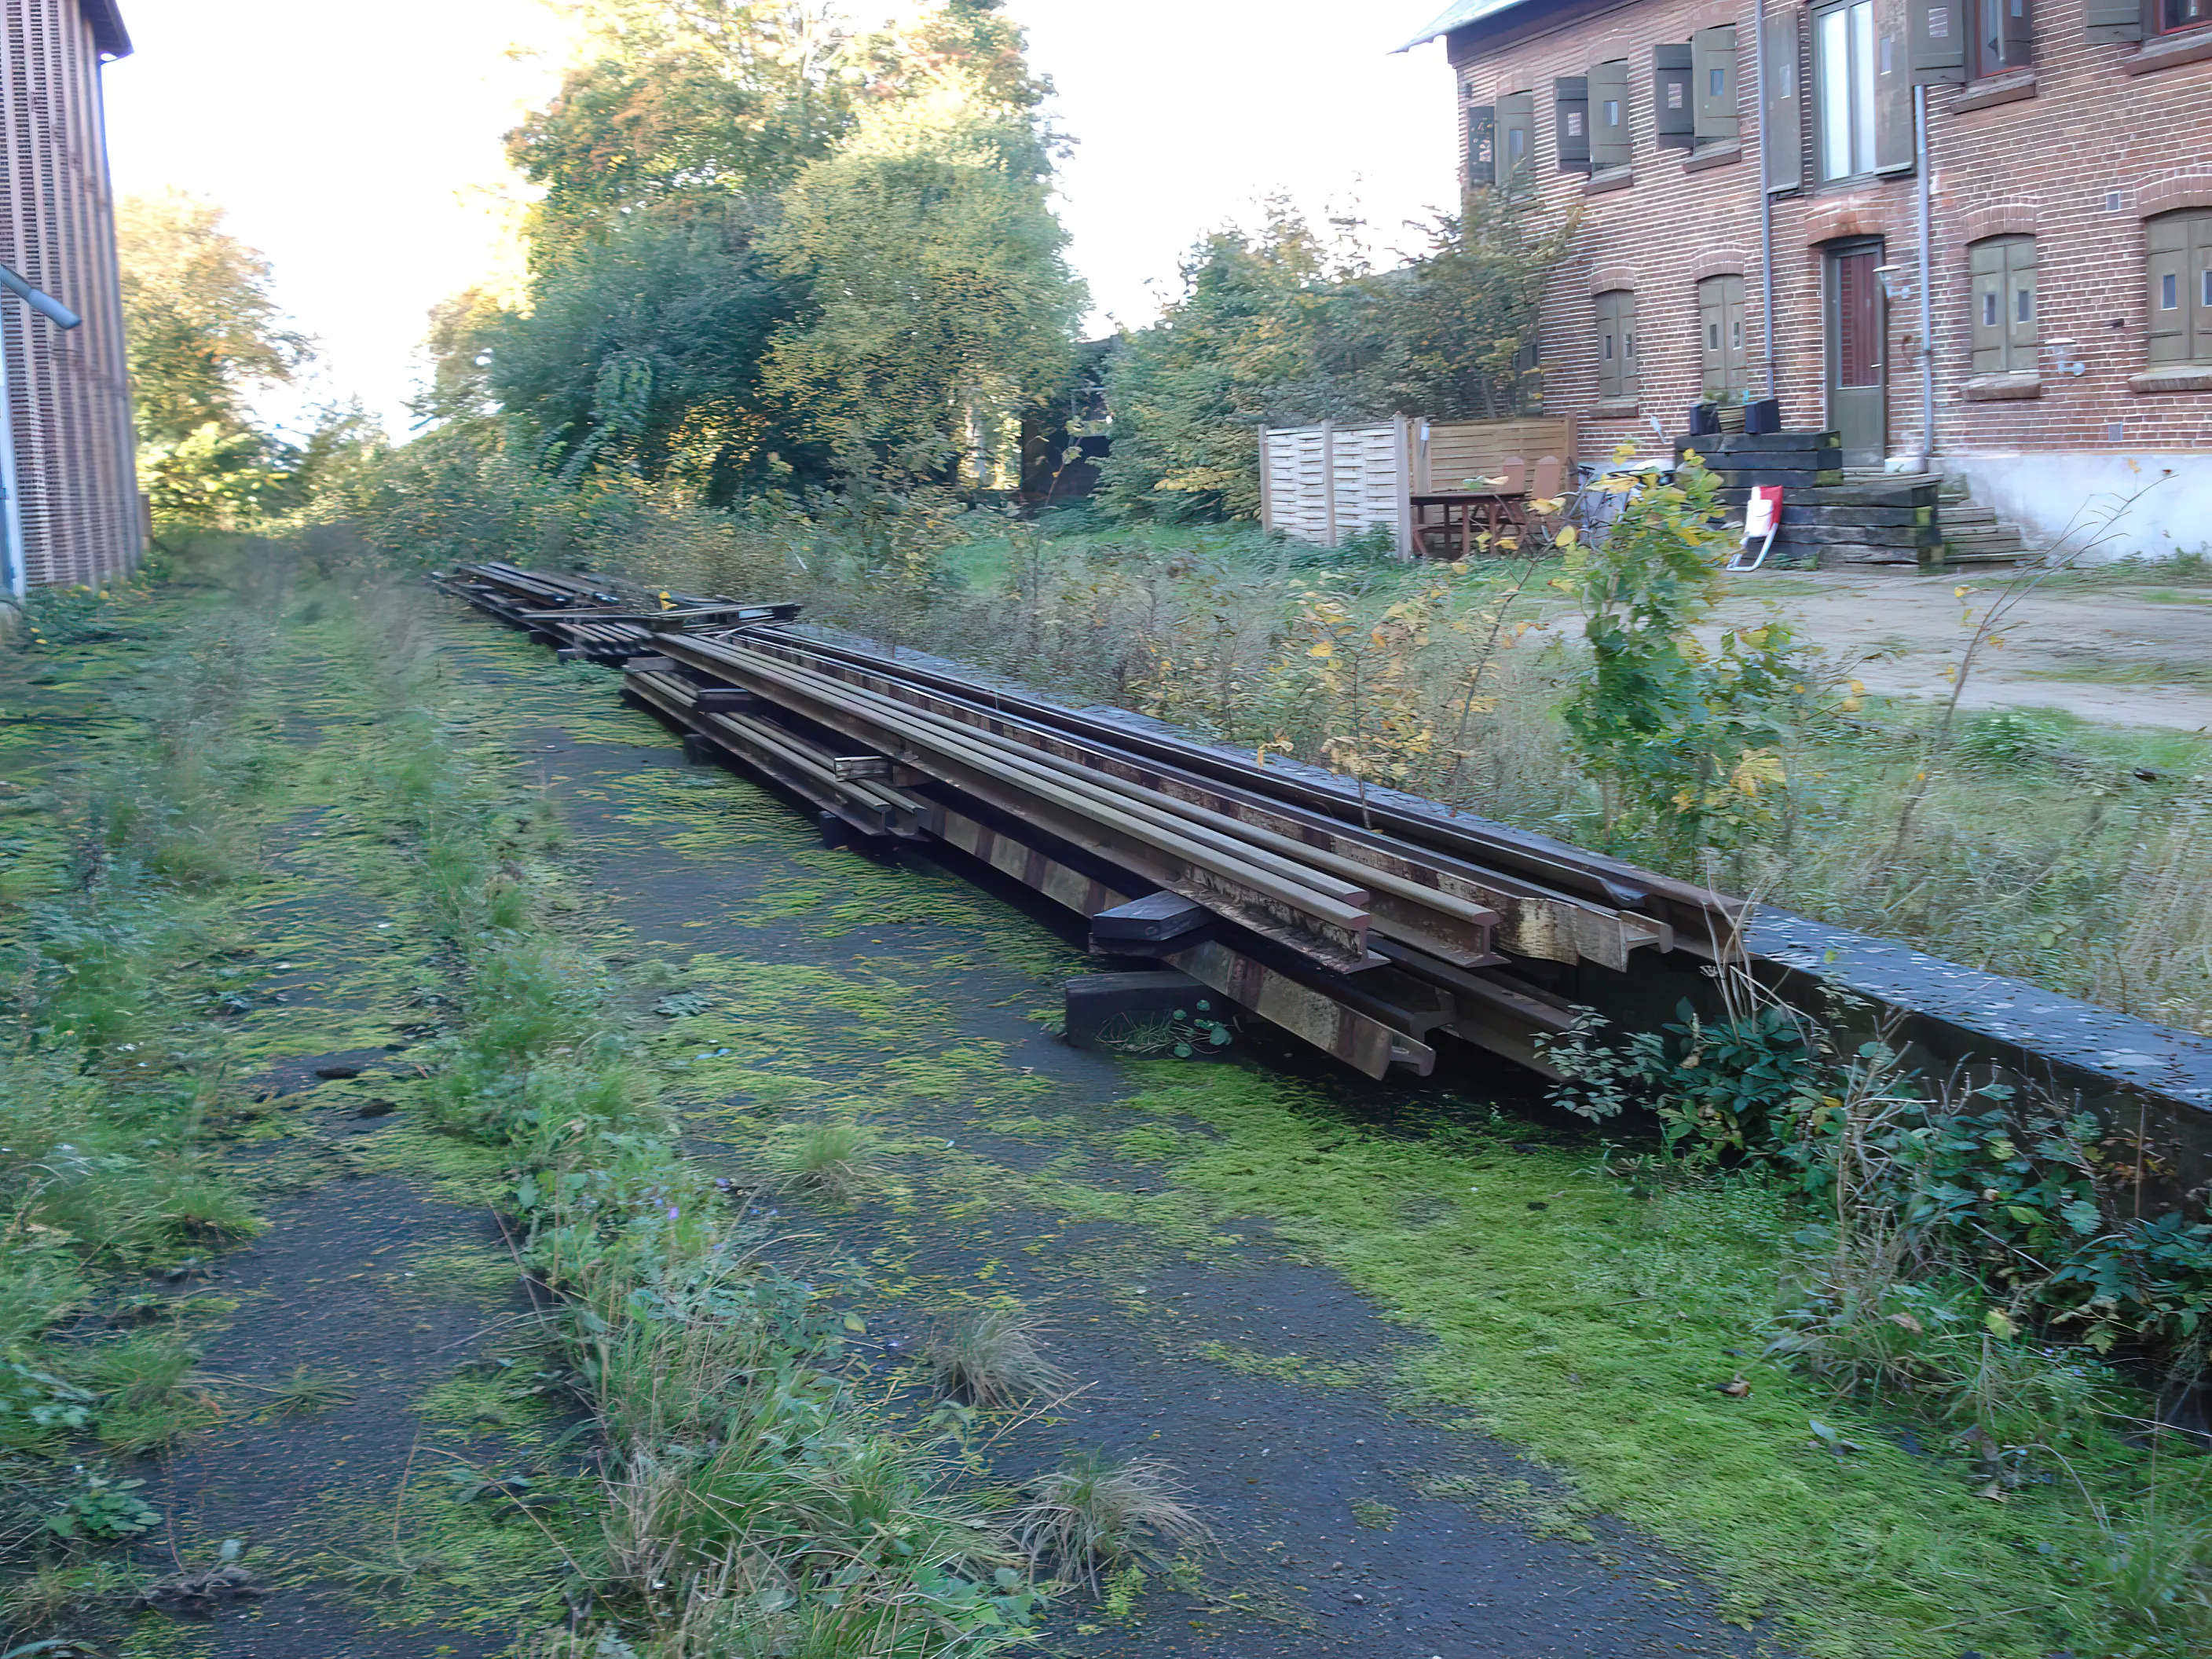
[2018, 31]
[1985, 263]
[2112, 20]
[2200, 289]
[1608, 345]
[1609, 112]
[1737, 362]
[1782, 131]
[1674, 114]
[1714, 53]
[1892, 84]
[1481, 145]
[1625, 322]
[2167, 333]
[1517, 134]
[1571, 122]
[2023, 306]
[1939, 40]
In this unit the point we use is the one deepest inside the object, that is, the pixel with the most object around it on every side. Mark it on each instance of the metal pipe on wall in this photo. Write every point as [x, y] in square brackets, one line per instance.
[1766, 198]
[1927, 283]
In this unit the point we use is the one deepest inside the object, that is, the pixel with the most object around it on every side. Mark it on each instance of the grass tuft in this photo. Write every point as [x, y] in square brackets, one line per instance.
[990, 1356]
[838, 1160]
[1092, 1516]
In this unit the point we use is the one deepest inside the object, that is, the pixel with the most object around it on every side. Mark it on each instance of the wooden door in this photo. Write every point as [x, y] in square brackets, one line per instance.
[1858, 367]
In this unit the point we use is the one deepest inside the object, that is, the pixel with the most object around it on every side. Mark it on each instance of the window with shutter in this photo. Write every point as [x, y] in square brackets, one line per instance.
[1844, 88]
[2003, 291]
[2174, 327]
[1481, 145]
[1939, 40]
[1517, 134]
[1616, 345]
[1781, 130]
[1720, 354]
[1571, 122]
[1608, 346]
[1673, 109]
[1713, 52]
[2112, 20]
[1608, 110]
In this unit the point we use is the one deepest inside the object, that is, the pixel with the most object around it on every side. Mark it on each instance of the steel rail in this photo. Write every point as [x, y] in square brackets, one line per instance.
[1431, 920]
[1532, 920]
[1696, 912]
[1296, 911]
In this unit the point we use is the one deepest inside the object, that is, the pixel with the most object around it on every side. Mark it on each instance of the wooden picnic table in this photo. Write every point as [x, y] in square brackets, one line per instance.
[1491, 511]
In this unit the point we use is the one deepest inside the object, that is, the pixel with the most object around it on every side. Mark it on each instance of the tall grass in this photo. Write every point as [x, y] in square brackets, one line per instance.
[2037, 847]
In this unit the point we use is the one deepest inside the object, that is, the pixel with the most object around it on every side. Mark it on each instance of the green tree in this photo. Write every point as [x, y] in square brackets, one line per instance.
[205, 336]
[1287, 327]
[680, 105]
[938, 293]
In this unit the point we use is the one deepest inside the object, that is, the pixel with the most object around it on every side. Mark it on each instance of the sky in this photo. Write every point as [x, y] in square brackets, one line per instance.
[359, 146]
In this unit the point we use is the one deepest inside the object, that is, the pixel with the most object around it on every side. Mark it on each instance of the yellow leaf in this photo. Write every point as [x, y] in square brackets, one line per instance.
[1567, 536]
[1324, 649]
[1858, 689]
[1999, 1325]
[1961, 592]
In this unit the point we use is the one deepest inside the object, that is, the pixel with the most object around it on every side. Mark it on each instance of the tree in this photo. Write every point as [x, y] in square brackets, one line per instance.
[205, 334]
[937, 292]
[1285, 327]
[643, 355]
[681, 106]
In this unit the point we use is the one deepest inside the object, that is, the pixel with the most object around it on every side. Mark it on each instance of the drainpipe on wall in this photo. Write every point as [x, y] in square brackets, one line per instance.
[1927, 275]
[1766, 195]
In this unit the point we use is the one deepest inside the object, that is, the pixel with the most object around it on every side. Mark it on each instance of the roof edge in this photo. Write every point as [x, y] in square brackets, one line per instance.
[1458, 15]
[108, 31]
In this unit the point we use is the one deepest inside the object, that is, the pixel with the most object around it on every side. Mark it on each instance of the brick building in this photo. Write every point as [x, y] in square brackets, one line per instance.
[2053, 347]
[69, 391]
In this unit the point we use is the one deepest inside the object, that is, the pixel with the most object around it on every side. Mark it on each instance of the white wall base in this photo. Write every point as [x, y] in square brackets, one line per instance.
[2049, 496]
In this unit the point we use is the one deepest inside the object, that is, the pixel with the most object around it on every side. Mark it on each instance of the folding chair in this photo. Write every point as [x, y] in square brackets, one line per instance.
[1762, 517]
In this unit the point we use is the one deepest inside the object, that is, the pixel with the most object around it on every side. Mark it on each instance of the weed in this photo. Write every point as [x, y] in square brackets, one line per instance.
[838, 1160]
[307, 1391]
[53, 1590]
[990, 1356]
[1094, 1517]
[1376, 1516]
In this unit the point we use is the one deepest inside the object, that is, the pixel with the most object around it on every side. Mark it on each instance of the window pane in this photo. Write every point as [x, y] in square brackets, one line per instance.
[1715, 81]
[1991, 42]
[1613, 112]
[2168, 296]
[2024, 306]
[1835, 79]
[1516, 143]
[2204, 279]
[1862, 86]
[1989, 310]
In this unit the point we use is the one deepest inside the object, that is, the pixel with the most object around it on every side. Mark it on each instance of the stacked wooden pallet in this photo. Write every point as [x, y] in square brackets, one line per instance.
[1371, 930]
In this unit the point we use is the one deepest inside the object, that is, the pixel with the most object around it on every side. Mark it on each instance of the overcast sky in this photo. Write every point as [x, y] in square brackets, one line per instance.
[359, 146]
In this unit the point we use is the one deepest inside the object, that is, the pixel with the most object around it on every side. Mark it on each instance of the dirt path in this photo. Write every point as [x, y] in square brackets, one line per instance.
[1349, 1520]
[2137, 654]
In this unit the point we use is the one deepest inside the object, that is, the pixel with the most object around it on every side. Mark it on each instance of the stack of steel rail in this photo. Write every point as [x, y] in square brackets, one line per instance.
[1369, 928]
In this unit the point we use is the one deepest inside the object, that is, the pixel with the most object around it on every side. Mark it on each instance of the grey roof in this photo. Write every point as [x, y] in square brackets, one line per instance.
[108, 31]
[1458, 15]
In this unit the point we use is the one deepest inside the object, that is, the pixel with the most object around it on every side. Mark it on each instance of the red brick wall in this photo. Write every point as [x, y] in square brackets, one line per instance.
[2044, 163]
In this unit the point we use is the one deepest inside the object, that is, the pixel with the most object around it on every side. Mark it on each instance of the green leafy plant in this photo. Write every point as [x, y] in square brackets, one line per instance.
[1688, 741]
[104, 1508]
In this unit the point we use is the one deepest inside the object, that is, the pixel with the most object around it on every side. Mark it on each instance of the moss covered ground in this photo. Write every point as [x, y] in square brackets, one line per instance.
[1484, 1369]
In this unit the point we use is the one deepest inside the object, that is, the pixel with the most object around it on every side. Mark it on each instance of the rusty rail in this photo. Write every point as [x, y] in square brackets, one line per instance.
[1366, 928]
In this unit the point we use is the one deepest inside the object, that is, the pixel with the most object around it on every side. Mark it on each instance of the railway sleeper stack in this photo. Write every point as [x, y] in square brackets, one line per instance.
[1371, 930]
[1830, 518]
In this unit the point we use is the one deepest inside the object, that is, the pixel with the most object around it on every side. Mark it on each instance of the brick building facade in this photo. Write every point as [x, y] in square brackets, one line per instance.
[2068, 186]
[69, 391]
